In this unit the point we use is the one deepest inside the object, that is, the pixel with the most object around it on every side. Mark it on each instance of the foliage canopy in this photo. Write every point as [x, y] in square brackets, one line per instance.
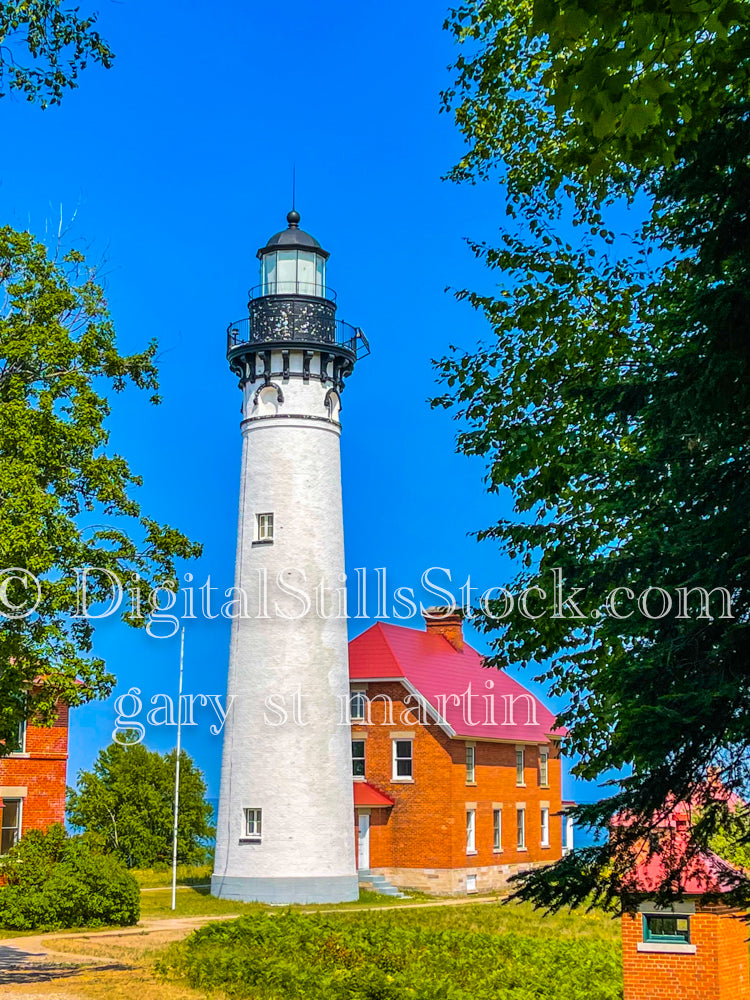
[125, 804]
[44, 45]
[66, 500]
[613, 398]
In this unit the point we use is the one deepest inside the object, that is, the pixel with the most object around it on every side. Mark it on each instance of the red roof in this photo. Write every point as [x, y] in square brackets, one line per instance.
[366, 795]
[455, 683]
[704, 873]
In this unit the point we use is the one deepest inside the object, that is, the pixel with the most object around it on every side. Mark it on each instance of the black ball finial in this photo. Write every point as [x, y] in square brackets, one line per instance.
[293, 219]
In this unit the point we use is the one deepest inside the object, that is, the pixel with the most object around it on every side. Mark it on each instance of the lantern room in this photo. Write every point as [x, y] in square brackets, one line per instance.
[293, 263]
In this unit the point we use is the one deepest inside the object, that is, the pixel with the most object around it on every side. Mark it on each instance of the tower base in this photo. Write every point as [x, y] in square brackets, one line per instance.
[282, 891]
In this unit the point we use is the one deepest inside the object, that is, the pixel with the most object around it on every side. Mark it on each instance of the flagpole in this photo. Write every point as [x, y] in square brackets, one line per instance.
[177, 775]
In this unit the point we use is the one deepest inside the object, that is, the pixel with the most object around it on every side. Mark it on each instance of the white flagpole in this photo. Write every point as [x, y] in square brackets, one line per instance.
[177, 776]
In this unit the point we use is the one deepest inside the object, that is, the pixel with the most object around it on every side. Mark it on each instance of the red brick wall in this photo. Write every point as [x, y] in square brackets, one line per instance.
[717, 971]
[42, 770]
[426, 828]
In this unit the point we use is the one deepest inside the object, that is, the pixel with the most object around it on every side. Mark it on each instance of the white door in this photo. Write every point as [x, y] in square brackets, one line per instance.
[364, 840]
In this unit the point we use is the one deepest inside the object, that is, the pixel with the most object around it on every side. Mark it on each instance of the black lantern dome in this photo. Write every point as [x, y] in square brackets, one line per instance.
[293, 238]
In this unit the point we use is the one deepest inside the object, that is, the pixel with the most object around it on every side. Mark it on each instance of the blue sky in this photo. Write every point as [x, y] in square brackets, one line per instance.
[171, 169]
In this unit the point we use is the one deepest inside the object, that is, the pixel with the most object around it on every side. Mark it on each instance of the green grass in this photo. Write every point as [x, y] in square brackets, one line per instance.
[186, 875]
[470, 952]
[196, 901]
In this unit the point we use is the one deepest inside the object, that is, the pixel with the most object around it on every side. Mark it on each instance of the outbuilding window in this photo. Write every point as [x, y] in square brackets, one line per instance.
[667, 928]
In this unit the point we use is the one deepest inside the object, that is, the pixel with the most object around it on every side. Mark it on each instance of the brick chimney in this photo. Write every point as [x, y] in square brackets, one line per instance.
[448, 622]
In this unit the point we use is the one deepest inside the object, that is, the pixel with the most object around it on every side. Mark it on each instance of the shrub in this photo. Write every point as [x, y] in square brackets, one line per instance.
[54, 881]
[292, 956]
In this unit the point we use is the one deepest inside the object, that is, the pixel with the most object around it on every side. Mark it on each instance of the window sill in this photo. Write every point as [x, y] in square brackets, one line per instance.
[497, 850]
[522, 850]
[249, 840]
[471, 854]
[520, 784]
[545, 786]
[471, 784]
[545, 847]
[263, 541]
[359, 777]
[664, 948]
[21, 755]
[402, 781]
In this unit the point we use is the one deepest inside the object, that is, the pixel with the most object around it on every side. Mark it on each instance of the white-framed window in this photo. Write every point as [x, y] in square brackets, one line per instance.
[253, 823]
[470, 764]
[544, 768]
[358, 705]
[471, 831]
[520, 765]
[21, 737]
[264, 528]
[497, 829]
[358, 758]
[521, 828]
[10, 824]
[403, 751]
[471, 883]
[545, 827]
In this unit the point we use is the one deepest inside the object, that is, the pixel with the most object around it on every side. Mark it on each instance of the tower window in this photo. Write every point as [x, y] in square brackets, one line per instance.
[253, 822]
[264, 531]
[358, 758]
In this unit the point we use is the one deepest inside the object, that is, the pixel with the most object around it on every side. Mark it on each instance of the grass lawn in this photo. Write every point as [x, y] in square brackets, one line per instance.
[196, 901]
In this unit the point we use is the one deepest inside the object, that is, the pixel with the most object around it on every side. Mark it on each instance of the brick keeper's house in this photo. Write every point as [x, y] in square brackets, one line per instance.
[32, 781]
[457, 768]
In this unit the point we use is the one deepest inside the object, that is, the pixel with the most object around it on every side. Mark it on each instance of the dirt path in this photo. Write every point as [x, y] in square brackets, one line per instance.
[41, 960]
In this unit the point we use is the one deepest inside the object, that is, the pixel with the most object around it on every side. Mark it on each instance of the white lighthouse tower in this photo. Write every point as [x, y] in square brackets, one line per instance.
[285, 829]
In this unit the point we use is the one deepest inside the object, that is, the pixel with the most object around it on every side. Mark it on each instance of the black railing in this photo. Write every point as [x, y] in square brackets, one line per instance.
[312, 288]
[351, 338]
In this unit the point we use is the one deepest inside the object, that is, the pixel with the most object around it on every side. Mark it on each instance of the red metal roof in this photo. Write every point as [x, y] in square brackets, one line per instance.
[453, 682]
[366, 795]
[704, 873]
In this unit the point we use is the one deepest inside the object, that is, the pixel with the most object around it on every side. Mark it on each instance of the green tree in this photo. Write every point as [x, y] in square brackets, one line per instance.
[43, 47]
[614, 397]
[58, 358]
[126, 804]
[590, 97]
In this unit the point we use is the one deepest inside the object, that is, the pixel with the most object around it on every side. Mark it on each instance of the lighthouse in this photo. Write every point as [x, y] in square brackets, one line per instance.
[285, 825]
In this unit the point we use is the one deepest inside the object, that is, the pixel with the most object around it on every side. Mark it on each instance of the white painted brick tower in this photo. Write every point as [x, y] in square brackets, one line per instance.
[285, 829]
